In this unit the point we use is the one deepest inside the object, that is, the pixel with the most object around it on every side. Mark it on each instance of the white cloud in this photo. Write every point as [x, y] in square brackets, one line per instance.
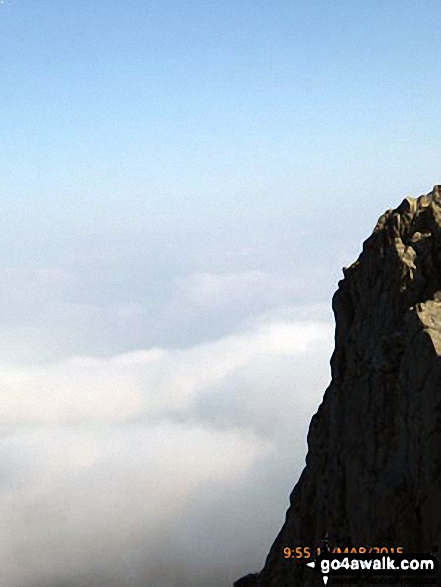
[50, 313]
[207, 289]
[144, 383]
[90, 499]
[147, 468]
[247, 289]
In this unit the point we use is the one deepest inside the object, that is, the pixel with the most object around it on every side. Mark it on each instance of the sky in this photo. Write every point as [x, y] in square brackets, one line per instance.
[181, 185]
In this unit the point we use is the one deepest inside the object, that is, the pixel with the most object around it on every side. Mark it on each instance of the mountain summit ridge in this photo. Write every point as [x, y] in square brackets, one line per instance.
[373, 468]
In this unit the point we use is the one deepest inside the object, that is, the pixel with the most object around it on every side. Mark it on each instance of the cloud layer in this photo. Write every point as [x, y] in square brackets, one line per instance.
[54, 312]
[158, 467]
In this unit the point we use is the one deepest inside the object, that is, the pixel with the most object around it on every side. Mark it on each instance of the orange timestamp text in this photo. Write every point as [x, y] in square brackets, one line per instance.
[305, 552]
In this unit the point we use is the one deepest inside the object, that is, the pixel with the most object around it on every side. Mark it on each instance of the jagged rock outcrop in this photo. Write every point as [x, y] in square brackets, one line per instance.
[373, 469]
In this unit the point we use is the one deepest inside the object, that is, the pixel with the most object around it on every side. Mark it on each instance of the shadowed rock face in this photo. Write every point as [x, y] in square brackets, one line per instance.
[373, 469]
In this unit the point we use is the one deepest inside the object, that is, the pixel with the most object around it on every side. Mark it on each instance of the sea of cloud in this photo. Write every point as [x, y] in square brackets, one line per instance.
[163, 466]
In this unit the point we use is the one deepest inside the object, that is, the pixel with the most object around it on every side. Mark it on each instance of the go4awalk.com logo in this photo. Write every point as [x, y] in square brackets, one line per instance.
[392, 565]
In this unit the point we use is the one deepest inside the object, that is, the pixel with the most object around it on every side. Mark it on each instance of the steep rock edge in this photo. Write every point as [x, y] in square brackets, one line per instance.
[373, 468]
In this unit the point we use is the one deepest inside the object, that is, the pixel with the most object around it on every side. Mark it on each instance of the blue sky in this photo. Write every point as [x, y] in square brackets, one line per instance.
[164, 105]
[144, 141]
[182, 182]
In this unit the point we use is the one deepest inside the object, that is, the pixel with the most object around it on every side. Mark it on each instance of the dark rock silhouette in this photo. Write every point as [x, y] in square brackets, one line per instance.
[373, 469]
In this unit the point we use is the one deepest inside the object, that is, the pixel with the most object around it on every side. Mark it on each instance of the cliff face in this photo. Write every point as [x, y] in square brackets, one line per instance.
[373, 469]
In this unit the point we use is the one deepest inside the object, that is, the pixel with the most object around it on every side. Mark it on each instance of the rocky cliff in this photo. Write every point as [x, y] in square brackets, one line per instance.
[373, 469]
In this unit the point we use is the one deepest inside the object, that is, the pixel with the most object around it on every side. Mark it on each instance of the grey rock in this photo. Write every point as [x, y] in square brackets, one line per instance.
[373, 468]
